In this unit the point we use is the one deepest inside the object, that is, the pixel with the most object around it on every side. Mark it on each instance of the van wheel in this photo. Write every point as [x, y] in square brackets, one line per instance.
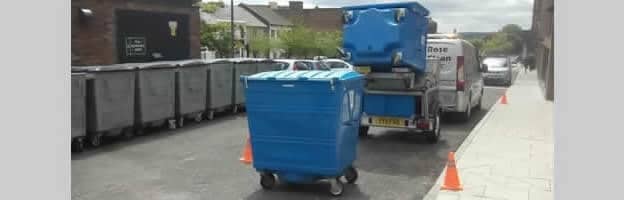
[465, 116]
[480, 101]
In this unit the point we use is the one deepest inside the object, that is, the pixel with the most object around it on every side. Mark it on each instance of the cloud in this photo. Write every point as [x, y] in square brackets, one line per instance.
[464, 15]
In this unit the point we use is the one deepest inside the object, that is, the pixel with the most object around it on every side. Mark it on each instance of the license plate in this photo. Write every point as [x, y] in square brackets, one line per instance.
[386, 121]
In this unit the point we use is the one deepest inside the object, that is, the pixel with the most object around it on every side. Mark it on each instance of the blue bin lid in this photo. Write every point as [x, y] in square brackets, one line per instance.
[306, 75]
[414, 6]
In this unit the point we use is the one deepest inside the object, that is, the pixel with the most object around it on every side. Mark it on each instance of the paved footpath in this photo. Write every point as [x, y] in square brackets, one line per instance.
[509, 154]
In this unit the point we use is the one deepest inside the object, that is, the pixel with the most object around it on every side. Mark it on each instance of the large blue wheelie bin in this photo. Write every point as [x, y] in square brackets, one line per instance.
[399, 39]
[303, 125]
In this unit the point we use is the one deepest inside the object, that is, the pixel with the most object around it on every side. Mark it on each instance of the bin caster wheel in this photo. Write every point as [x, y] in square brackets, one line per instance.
[210, 115]
[96, 140]
[267, 181]
[172, 124]
[363, 131]
[127, 134]
[351, 174]
[78, 145]
[180, 122]
[139, 131]
[198, 117]
[336, 187]
[235, 109]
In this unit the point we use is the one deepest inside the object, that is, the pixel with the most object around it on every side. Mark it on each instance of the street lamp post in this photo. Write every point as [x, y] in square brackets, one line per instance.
[232, 26]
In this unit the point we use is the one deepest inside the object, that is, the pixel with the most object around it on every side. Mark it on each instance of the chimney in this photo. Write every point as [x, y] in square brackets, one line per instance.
[272, 4]
[295, 5]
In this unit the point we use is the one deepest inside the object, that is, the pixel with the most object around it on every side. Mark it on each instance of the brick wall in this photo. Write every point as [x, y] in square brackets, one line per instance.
[94, 42]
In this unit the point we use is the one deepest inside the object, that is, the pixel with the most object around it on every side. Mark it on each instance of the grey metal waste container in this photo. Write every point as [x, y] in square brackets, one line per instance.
[220, 86]
[191, 90]
[241, 67]
[78, 111]
[110, 101]
[155, 103]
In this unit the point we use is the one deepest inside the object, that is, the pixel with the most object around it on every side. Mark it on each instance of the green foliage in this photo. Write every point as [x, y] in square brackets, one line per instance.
[210, 7]
[511, 28]
[260, 44]
[498, 44]
[217, 37]
[301, 42]
[508, 40]
[327, 42]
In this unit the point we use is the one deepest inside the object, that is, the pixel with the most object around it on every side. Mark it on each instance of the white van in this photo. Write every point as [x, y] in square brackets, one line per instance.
[461, 82]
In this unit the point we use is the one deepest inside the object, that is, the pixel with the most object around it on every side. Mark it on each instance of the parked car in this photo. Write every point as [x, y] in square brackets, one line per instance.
[499, 70]
[296, 64]
[338, 64]
[461, 83]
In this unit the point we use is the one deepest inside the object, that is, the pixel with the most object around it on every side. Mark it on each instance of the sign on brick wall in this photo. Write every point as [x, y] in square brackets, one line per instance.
[135, 46]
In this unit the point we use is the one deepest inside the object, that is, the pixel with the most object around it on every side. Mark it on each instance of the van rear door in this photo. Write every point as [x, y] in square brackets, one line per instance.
[447, 52]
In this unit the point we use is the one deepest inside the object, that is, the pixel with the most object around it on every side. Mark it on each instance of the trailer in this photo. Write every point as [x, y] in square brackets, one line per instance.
[387, 43]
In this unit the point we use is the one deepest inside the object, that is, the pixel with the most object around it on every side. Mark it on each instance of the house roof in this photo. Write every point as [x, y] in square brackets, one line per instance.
[241, 15]
[266, 14]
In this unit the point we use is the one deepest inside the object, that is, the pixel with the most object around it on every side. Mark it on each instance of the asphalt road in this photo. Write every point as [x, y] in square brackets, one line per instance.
[200, 161]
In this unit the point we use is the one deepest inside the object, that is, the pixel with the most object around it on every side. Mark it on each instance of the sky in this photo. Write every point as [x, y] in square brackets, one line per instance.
[463, 15]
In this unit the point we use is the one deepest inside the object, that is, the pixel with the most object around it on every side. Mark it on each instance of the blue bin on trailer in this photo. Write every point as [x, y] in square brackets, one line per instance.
[303, 125]
[397, 36]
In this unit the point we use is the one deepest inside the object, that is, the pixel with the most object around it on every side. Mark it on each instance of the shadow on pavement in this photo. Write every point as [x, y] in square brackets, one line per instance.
[112, 144]
[307, 191]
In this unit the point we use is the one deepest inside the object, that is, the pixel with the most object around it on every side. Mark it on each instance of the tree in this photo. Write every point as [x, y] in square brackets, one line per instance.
[260, 44]
[513, 33]
[217, 37]
[478, 43]
[210, 7]
[326, 43]
[302, 42]
[497, 44]
[298, 41]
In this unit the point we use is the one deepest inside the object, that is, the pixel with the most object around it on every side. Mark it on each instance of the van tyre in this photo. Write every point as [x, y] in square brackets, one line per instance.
[433, 136]
[363, 131]
[465, 116]
[480, 102]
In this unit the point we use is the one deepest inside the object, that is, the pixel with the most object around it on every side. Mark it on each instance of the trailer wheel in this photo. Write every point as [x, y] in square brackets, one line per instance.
[336, 187]
[351, 174]
[267, 181]
[434, 135]
[363, 131]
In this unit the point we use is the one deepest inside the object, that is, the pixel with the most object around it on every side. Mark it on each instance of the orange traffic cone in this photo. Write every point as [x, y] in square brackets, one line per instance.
[451, 179]
[247, 158]
[504, 98]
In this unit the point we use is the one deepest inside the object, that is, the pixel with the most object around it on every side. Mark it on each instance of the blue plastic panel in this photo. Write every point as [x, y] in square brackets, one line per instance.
[372, 35]
[391, 105]
[303, 125]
